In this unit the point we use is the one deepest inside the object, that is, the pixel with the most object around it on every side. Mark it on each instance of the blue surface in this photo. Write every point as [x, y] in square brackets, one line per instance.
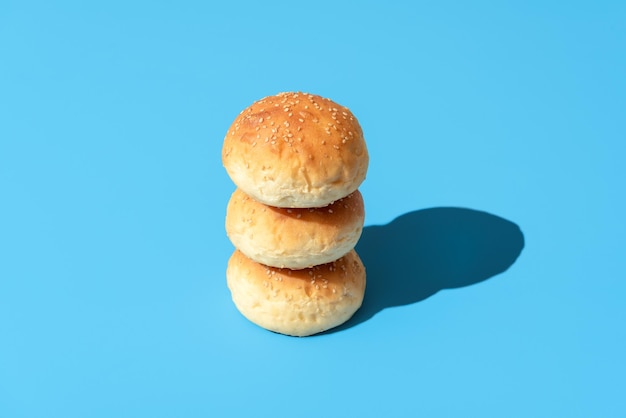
[495, 239]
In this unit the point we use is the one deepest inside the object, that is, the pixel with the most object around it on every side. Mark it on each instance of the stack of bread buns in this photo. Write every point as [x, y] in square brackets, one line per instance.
[297, 160]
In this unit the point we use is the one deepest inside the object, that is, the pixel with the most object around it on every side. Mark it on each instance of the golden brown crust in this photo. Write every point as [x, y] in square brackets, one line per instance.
[294, 238]
[297, 302]
[296, 150]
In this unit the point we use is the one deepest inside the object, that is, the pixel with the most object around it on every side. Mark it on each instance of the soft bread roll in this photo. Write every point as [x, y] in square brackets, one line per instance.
[296, 150]
[297, 302]
[294, 238]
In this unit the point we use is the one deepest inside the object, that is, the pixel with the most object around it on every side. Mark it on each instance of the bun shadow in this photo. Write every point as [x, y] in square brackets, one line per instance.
[425, 251]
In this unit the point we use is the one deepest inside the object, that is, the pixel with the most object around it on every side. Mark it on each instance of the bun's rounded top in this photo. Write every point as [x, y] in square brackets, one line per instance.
[296, 150]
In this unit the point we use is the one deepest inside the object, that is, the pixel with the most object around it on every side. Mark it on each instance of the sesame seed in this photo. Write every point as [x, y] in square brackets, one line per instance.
[260, 120]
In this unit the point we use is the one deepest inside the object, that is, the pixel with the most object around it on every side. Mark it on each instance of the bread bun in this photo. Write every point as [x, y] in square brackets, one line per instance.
[296, 150]
[297, 302]
[294, 238]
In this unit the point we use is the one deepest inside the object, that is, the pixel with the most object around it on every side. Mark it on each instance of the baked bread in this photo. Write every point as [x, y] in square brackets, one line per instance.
[294, 238]
[297, 302]
[296, 150]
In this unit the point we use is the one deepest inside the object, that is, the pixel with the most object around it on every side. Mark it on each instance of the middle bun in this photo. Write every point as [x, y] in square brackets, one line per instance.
[294, 238]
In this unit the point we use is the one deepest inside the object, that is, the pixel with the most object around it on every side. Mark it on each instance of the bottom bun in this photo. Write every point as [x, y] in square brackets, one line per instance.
[297, 302]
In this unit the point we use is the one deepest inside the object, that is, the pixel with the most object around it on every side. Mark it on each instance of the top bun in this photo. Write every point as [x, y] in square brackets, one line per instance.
[296, 150]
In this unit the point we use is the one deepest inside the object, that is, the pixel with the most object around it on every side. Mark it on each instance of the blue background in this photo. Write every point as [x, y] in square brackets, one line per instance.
[113, 301]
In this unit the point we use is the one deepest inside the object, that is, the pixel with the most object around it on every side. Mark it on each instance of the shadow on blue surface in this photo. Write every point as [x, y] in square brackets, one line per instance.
[425, 251]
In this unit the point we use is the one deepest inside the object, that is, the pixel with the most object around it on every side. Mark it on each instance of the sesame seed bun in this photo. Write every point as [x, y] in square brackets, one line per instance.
[296, 150]
[297, 302]
[294, 238]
